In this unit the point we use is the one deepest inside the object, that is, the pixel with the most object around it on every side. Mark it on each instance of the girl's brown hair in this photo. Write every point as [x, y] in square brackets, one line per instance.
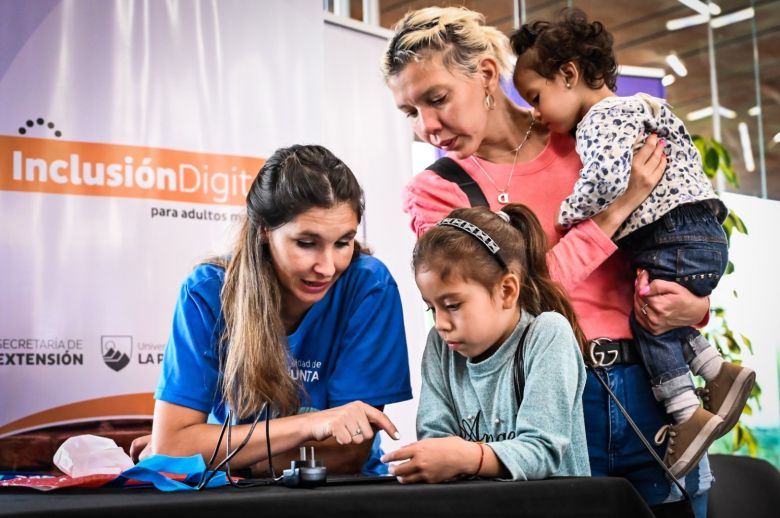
[451, 251]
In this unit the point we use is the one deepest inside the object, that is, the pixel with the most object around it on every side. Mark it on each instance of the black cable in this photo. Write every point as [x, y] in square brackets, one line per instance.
[207, 474]
[204, 482]
[268, 445]
[219, 441]
[641, 436]
[274, 479]
[227, 452]
[205, 471]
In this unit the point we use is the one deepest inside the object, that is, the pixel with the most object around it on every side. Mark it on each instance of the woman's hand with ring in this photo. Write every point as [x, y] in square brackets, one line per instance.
[340, 422]
[663, 305]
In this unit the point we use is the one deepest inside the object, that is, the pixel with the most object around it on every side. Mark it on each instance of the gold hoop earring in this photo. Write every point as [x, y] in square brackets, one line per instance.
[490, 103]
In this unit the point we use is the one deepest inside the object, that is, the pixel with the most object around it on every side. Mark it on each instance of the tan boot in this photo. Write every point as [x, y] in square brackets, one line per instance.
[689, 440]
[727, 393]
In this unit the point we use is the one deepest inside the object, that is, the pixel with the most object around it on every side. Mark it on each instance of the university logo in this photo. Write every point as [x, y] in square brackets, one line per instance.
[116, 350]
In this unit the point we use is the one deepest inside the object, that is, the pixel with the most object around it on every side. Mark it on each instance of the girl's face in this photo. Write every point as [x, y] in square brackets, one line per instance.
[445, 107]
[472, 320]
[309, 253]
[553, 104]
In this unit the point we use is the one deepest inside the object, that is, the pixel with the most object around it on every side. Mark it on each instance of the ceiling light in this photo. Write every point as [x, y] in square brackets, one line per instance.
[630, 70]
[755, 111]
[736, 16]
[708, 111]
[714, 8]
[700, 114]
[747, 150]
[701, 7]
[667, 80]
[674, 62]
[776, 138]
[688, 21]
[715, 23]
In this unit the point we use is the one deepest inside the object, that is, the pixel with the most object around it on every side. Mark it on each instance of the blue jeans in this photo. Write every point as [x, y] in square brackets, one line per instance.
[615, 450]
[688, 246]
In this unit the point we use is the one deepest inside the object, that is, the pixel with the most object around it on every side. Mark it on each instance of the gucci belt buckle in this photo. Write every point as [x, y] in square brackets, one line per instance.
[598, 358]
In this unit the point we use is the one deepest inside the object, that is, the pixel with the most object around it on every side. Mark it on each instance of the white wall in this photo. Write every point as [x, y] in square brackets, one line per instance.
[362, 127]
[755, 310]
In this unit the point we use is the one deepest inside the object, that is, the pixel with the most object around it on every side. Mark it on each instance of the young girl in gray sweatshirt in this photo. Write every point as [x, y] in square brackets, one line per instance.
[502, 373]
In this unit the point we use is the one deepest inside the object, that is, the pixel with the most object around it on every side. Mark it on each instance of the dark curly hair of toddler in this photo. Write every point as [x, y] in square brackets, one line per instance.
[569, 38]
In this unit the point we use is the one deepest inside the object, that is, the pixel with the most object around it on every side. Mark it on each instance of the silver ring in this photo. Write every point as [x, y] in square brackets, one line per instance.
[644, 309]
[357, 432]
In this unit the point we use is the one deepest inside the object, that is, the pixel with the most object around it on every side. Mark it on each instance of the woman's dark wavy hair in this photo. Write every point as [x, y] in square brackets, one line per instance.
[254, 350]
[297, 178]
[569, 38]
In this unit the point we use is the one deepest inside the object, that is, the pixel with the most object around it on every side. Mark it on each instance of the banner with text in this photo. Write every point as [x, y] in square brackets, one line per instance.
[130, 133]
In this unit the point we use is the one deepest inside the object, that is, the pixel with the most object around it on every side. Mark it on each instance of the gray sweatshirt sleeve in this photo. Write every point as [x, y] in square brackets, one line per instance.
[436, 415]
[554, 380]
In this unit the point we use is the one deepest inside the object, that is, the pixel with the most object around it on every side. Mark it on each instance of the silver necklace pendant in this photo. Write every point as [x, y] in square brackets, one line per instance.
[503, 197]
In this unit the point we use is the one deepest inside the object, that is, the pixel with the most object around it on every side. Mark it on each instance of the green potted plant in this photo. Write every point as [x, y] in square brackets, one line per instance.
[732, 345]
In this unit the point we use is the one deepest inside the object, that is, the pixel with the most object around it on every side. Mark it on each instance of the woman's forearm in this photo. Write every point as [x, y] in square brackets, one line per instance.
[182, 431]
[647, 168]
[610, 219]
[201, 438]
[578, 254]
[613, 216]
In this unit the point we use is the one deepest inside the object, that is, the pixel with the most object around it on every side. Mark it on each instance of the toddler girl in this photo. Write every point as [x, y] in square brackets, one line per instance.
[566, 71]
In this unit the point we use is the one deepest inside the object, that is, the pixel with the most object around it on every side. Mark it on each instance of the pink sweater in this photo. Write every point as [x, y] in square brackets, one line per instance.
[594, 273]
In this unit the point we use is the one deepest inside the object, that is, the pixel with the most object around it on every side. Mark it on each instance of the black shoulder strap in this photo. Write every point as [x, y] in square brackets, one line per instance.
[519, 374]
[448, 169]
[687, 511]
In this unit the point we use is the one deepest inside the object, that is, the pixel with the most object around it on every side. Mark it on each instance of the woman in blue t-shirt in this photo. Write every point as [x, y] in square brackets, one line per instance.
[299, 317]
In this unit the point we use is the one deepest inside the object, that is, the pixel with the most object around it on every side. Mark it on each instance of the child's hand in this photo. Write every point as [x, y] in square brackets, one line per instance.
[434, 460]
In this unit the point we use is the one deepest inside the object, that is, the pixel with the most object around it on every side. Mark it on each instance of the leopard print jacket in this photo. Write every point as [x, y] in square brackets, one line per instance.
[607, 137]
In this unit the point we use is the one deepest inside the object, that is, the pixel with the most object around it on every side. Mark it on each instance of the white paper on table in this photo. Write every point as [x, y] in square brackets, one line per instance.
[84, 455]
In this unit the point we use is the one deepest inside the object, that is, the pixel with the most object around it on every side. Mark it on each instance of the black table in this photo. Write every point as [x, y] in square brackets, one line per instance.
[592, 497]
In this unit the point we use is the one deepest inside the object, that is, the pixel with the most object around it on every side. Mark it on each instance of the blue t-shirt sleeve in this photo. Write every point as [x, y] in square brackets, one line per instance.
[190, 369]
[372, 364]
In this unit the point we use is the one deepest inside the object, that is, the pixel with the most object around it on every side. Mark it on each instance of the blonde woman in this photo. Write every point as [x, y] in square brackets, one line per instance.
[443, 67]
[298, 316]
